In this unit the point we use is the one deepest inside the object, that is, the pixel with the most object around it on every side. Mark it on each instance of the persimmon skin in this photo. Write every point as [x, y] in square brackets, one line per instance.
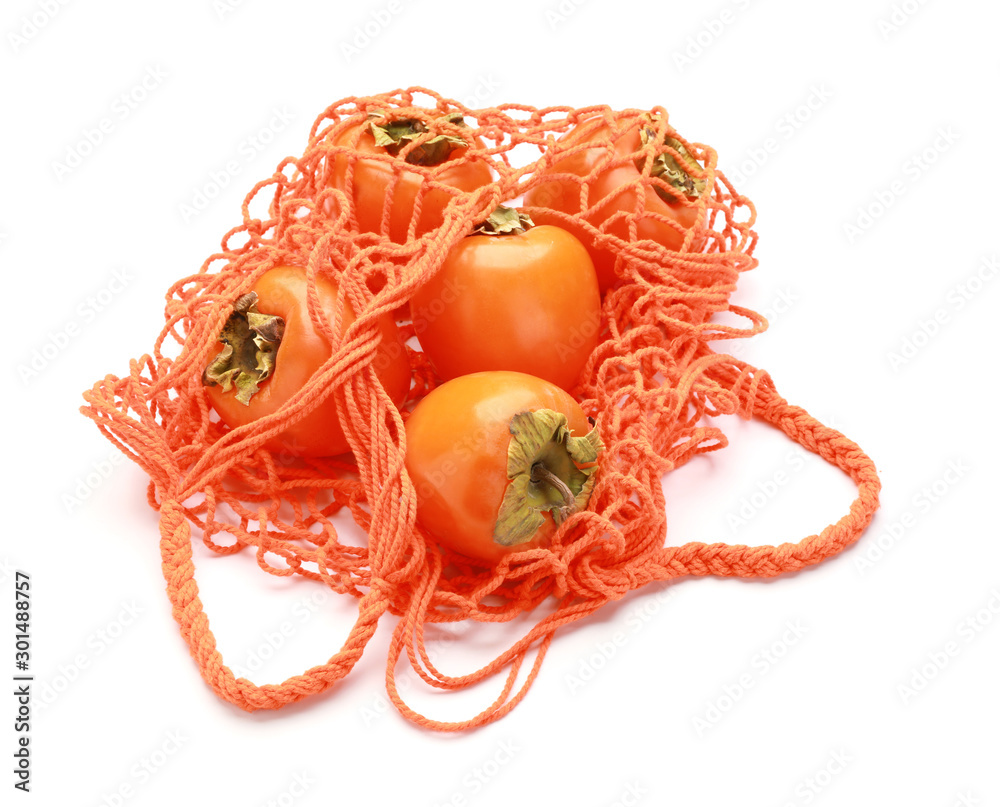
[527, 302]
[457, 440]
[373, 179]
[282, 292]
[565, 196]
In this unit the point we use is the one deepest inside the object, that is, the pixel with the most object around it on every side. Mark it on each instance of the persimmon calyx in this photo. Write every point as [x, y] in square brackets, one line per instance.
[505, 221]
[543, 466]
[674, 170]
[395, 135]
[250, 343]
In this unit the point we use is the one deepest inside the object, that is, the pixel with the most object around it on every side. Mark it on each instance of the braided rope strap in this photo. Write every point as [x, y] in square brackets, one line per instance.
[583, 587]
[587, 586]
[731, 560]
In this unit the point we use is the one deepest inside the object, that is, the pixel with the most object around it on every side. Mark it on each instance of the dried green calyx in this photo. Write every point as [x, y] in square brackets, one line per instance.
[250, 343]
[543, 465]
[395, 134]
[505, 221]
[675, 170]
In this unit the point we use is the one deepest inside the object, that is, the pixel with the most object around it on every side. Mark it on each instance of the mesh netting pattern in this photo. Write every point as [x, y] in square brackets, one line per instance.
[653, 385]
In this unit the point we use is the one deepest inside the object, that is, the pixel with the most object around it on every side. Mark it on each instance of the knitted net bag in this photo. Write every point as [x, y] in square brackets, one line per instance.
[653, 385]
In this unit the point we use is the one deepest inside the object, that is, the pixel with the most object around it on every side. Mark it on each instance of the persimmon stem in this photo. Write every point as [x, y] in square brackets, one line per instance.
[539, 473]
[505, 221]
[394, 135]
[543, 466]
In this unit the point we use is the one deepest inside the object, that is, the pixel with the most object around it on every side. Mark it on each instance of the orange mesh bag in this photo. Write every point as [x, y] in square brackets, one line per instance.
[653, 385]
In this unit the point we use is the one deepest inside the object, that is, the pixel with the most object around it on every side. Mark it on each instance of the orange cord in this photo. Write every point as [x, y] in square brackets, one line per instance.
[652, 385]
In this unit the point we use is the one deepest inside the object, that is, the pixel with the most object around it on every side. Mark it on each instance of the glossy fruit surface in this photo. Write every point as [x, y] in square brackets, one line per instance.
[298, 352]
[472, 496]
[526, 301]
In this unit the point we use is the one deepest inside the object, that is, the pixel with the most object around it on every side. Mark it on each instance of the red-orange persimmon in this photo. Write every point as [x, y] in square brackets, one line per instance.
[511, 297]
[374, 179]
[615, 190]
[498, 459]
[269, 348]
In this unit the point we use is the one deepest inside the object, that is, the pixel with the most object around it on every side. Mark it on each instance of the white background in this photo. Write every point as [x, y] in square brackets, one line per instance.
[707, 697]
